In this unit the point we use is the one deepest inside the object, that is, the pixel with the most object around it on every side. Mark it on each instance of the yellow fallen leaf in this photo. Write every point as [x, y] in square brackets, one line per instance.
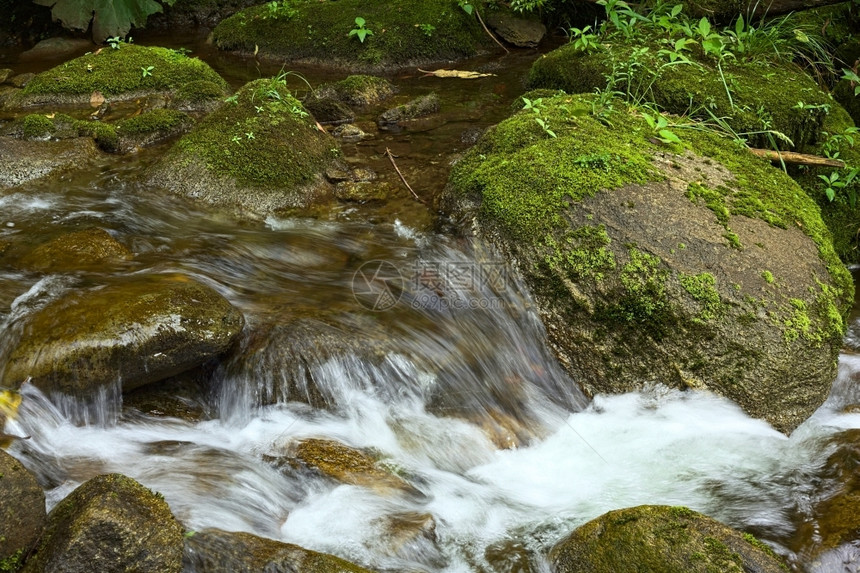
[9, 403]
[455, 74]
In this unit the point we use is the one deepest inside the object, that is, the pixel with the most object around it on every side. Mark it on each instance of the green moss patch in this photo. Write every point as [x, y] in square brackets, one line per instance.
[128, 70]
[312, 31]
[262, 136]
[764, 95]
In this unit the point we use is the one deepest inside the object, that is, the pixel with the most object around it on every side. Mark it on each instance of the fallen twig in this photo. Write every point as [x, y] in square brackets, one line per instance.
[797, 158]
[402, 178]
[490, 34]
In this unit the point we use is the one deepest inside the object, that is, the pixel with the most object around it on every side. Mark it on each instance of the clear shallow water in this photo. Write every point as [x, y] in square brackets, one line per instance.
[451, 386]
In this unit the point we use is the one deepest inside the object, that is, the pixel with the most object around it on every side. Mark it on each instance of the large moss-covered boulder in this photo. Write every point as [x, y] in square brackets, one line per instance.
[405, 33]
[661, 539]
[22, 512]
[216, 551]
[133, 332]
[764, 95]
[24, 161]
[695, 265]
[260, 153]
[125, 73]
[110, 524]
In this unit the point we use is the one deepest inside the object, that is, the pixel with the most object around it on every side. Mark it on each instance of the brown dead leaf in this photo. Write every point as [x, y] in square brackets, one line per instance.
[97, 99]
[455, 74]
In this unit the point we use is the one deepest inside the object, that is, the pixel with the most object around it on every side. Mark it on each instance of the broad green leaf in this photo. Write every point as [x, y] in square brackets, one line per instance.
[667, 136]
[831, 194]
[360, 22]
[109, 17]
[676, 9]
[739, 25]
[704, 27]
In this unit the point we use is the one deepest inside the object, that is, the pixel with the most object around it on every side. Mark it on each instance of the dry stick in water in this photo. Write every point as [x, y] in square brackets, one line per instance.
[402, 178]
[490, 34]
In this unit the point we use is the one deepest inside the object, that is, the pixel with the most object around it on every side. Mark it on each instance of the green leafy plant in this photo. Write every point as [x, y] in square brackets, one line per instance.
[360, 30]
[466, 6]
[838, 182]
[114, 42]
[276, 10]
[660, 126]
[110, 18]
[852, 77]
[428, 29]
[537, 108]
[146, 71]
[583, 39]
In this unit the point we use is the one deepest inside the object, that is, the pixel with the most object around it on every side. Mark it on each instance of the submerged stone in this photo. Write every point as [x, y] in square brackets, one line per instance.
[694, 265]
[661, 538]
[77, 250]
[404, 33]
[131, 333]
[258, 154]
[418, 107]
[22, 509]
[111, 524]
[216, 551]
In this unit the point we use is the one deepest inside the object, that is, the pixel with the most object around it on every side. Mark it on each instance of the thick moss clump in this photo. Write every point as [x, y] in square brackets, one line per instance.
[111, 523]
[122, 73]
[662, 539]
[764, 95]
[259, 152]
[216, 551]
[357, 90]
[648, 261]
[318, 32]
[201, 95]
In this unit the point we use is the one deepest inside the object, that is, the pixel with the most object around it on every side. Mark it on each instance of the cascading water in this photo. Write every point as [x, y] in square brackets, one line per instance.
[422, 349]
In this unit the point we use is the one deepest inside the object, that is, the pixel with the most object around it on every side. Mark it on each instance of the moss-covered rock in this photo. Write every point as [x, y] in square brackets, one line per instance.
[319, 32]
[216, 551]
[257, 154]
[119, 74]
[838, 138]
[22, 512]
[357, 91]
[198, 96]
[113, 524]
[150, 127]
[78, 250]
[661, 539]
[134, 333]
[520, 32]
[23, 161]
[764, 95]
[648, 261]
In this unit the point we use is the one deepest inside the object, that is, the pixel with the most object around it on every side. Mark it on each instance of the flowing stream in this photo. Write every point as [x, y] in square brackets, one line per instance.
[446, 379]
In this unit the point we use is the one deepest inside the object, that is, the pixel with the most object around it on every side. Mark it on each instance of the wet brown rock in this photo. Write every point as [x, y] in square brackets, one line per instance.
[23, 161]
[21, 80]
[22, 511]
[80, 249]
[345, 464]
[419, 107]
[4, 74]
[216, 551]
[518, 32]
[110, 524]
[133, 332]
[362, 191]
